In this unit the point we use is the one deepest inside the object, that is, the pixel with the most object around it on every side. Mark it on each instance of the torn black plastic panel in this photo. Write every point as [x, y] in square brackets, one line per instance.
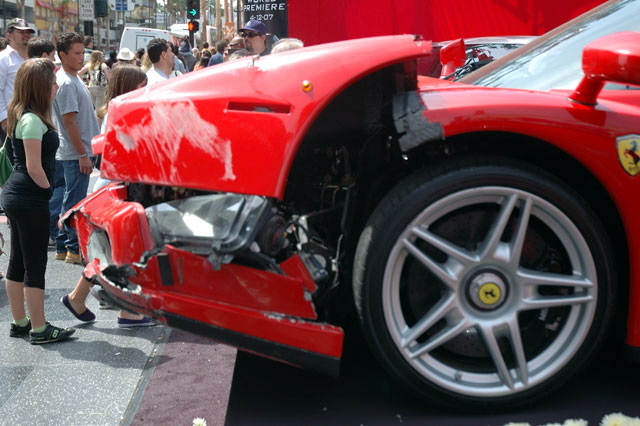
[412, 126]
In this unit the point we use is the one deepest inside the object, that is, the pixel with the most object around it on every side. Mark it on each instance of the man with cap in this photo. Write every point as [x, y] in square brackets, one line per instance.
[255, 37]
[18, 34]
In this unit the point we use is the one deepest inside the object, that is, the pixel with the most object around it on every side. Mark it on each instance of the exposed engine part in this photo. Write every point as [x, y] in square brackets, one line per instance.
[317, 259]
[149, 195]
[332, 195]
[329, 288]
[119, 275]
[316, 256]
[216, 259]
[272, 238]
[335, 182]
[302, 231]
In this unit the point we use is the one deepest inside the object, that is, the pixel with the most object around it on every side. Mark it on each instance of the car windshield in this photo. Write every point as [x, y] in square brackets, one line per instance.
[554, 61]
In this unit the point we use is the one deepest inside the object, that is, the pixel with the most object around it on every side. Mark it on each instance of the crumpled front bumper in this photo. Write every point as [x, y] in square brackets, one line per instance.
[255, 310]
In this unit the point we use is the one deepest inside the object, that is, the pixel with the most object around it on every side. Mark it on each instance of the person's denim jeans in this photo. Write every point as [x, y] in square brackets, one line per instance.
[55, 202]
[75, 189]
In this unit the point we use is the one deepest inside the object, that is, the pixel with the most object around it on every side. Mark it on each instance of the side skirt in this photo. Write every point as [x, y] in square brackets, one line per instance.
[276, 351]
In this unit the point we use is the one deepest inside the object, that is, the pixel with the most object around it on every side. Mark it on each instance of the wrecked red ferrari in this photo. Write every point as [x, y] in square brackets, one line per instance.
[484, 230]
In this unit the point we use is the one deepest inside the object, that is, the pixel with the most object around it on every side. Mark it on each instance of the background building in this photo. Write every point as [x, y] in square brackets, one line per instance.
[109, 17]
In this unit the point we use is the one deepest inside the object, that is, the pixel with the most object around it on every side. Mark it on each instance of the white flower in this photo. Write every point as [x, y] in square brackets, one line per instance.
[570, 422]
[576, 422]
[199, 421]
[615, 419]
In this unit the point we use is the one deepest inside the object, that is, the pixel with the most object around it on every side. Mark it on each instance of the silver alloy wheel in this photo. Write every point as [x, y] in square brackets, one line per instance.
[486, 294]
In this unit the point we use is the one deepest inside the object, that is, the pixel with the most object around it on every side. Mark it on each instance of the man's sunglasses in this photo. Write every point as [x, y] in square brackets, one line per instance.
[249, 35]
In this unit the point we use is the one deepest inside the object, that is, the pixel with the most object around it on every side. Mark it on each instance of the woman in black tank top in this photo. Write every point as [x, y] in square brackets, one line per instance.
[25, 199]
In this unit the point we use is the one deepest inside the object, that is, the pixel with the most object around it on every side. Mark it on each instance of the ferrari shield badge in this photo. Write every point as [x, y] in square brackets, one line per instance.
[629, 153]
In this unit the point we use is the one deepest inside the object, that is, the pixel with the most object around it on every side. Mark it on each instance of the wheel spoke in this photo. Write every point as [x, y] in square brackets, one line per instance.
[443, 245]
[448, 275]
[497, 229]
[520, 234]
[434, 315]
[541, 302]
[491, 342]
[440, 338]
[531, 278]
[518, 350]
[532, 282]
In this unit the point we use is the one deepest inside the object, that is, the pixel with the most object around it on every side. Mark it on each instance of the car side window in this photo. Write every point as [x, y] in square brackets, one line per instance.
[616, 86]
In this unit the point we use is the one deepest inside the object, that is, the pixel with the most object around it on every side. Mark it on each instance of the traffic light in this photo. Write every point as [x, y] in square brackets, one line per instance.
[193, 26]
[101, 8]
[193, 9]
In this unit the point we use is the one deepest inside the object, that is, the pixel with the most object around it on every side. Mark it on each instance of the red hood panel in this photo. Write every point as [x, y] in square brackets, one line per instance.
[170, 143]
[235, 127]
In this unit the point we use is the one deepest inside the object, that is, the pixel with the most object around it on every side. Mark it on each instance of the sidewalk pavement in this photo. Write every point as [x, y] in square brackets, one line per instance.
[192, 379]
[106, 375]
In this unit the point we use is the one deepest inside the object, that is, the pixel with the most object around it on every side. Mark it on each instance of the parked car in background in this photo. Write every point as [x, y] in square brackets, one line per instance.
[485, 230]
[134, 38]
[470, 54]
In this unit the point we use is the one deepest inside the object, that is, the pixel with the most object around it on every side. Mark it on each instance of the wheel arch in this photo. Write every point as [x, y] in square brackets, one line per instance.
[359, 120]
[356, 133]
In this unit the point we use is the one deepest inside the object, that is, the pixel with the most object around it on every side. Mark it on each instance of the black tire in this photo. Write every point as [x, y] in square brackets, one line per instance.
[452, 313]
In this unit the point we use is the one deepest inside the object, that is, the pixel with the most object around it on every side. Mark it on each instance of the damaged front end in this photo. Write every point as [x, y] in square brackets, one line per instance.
[231, 221]
[236, 268]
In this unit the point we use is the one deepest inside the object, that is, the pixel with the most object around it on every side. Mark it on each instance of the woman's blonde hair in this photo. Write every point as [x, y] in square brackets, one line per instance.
[97, 58]
[32, 92]
[145, 62]
[124, 78]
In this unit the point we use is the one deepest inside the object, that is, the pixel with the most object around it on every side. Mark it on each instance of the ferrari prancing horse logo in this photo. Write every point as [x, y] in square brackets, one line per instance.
[489, 293]
[629, 153]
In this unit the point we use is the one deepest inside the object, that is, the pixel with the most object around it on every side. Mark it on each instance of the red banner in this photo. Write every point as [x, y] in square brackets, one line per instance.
[322, 21]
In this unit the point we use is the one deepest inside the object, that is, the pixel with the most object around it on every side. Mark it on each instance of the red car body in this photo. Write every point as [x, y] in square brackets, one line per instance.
[308, 130]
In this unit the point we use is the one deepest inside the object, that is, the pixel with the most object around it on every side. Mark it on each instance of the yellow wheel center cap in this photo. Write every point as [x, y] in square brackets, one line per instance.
[489, 293]
[487, 290]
